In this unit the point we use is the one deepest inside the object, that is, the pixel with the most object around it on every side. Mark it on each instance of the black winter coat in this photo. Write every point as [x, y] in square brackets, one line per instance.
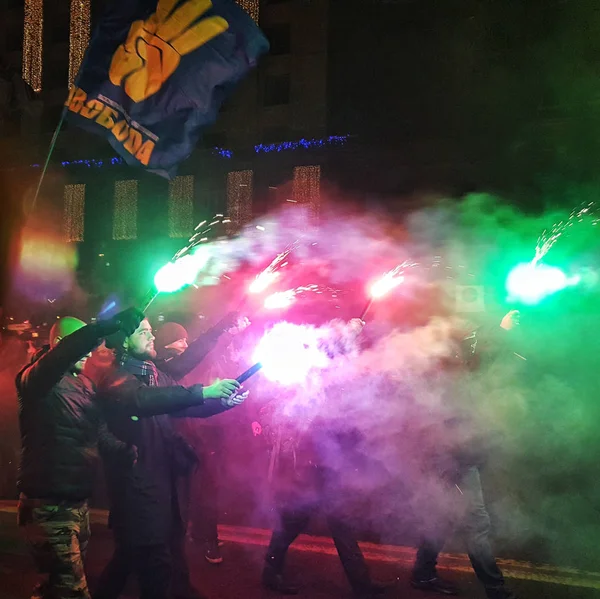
[146, 500]
[62, 428]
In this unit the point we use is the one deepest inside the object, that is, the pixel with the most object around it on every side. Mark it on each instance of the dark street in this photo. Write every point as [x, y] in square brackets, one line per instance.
[313, 562]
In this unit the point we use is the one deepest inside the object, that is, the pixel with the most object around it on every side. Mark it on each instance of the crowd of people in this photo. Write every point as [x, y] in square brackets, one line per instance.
[112, 389]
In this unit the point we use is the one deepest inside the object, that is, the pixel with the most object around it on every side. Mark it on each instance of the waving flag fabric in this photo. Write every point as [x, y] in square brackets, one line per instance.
[156, 73]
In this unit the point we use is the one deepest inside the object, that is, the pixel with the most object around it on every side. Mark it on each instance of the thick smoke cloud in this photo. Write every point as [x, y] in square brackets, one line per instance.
[527, 408]
[400, 393]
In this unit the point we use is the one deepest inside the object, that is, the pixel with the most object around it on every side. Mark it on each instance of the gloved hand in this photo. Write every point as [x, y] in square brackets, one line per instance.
[235, 400]
[242, 323]
[355, 326]
[228, 322]
[126, 322]
[221, 389]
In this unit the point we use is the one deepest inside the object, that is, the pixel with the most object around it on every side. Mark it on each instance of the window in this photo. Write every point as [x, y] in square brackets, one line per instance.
[125, 210]
[181, 206]
[306, 187]
[239, 198]
[73, 215]
[277, 90]
[279, 39]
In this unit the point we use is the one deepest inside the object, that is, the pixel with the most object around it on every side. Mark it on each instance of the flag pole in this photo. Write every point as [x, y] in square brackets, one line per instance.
[50, 151]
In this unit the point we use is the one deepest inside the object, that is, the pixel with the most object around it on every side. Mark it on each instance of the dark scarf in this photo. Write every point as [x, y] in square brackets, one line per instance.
[140, 368]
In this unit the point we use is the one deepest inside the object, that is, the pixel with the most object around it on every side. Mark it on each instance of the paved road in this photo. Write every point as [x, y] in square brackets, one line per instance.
[312, 561]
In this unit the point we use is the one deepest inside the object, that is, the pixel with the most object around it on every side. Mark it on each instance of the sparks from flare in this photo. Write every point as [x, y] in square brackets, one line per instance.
[548, 238]
[270, 274]
[200, 234]
[390, 280]
[285, 299]
[183, 269]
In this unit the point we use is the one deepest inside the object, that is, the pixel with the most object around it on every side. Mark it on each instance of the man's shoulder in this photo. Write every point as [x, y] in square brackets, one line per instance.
[115, 378]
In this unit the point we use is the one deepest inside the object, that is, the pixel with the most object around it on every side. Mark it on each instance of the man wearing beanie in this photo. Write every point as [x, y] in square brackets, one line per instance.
[171, 341]
[147, 510]
[61, 429]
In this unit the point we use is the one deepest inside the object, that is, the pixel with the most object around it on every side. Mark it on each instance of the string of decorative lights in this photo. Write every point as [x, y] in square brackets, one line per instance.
[239, 198]
[79, 36]
[302, 144]
[284, 146]
[33, 36]
[306, 187]
[74, 210]
[181, 206]
[125, 210]
[252, 7]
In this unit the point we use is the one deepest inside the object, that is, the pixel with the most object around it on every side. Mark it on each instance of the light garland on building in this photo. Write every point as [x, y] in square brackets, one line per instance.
[252, 7]
[125, 210]
[284, 146]
[33, 36]
[302, 144]
[306, 187]
[79, 36]
[181, 206]
[74, 212]
[239, 198]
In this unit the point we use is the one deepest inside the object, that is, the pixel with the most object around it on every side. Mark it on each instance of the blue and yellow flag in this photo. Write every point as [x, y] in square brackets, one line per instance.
[156, 73]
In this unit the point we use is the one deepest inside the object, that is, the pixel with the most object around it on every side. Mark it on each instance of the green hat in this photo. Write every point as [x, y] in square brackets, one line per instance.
[64, 327]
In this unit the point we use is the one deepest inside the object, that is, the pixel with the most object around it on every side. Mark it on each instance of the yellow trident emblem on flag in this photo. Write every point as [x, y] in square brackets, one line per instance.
[153, 48]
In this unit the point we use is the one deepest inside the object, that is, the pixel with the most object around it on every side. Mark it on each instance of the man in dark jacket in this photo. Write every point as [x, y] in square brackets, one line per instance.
[307, 469]
[462, 474]
[172, 341]
[312, 481]
[61, 428]
[146, 512]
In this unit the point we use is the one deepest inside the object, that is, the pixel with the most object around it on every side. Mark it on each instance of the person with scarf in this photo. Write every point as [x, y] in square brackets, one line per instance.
[141, 402]
[62, 432]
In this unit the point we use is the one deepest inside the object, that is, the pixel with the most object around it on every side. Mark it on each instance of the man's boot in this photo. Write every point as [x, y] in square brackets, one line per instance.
[273, 579]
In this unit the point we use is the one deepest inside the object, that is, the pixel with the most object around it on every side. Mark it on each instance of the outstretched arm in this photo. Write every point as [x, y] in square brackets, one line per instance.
[182, 365]
[221, 396]
[37, 379]
[125, 395]
[128, 396]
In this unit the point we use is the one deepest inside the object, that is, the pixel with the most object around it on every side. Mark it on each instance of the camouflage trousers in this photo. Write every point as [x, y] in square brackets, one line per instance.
[57, 535]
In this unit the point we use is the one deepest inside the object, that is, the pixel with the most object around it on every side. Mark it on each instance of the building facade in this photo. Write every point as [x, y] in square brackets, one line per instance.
[268, 148]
